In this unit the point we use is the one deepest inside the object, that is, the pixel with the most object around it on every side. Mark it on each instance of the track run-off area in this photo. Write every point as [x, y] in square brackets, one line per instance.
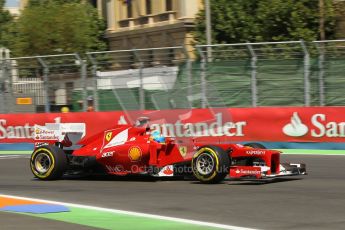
[314, 201]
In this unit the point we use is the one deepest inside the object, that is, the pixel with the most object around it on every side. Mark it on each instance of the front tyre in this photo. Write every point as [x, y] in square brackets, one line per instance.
[210, 164]
[48, 162]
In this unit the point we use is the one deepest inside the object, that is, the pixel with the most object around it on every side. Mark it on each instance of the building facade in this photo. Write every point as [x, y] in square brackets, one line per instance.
[149, 23]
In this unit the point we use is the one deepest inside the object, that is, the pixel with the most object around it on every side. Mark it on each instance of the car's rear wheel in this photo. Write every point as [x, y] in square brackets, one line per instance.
[48, 162]
[210, 164]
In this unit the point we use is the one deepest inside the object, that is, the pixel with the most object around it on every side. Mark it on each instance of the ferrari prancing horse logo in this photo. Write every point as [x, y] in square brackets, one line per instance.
[183, 150]
[108, 136]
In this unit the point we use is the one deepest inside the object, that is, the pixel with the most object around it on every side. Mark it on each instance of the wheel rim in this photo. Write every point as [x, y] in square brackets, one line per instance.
[205, 164]
[42, 163]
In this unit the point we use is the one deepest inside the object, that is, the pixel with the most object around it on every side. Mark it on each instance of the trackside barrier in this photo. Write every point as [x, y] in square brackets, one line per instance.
[269, 124]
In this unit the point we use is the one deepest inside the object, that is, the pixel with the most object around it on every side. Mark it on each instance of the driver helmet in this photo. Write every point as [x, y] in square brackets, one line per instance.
[156, 136]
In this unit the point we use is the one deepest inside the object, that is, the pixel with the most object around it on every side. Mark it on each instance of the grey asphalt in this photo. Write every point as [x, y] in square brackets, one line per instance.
[315, 201]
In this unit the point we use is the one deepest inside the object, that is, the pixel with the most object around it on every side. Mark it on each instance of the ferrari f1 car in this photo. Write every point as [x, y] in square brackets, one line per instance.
[63, 149]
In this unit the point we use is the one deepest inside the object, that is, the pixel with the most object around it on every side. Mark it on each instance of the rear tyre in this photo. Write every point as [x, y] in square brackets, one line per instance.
[48, 163]
[255, 145]
[210, 164]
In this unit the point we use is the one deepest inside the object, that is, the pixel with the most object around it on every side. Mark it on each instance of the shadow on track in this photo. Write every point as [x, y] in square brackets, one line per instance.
[147, 178]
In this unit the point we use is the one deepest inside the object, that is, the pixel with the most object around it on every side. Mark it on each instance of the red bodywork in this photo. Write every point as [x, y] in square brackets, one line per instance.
[131, 150]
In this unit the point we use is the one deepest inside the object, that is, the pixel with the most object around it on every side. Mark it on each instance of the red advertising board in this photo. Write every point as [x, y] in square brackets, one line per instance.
[274, 124]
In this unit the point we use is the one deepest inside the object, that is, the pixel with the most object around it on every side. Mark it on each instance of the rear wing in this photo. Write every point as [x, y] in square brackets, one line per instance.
[56, 132]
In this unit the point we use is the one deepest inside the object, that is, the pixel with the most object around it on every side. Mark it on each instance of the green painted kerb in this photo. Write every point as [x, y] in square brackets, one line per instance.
[109, 220]
[7, 152]
[312, 152]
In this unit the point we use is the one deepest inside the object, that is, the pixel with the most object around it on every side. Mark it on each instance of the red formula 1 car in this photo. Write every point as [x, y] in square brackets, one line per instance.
[126, 150]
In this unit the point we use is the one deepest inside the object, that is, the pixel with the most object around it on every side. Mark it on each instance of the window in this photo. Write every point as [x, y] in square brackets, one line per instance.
[129, 9]
[94, 3]
[168, 5]
[148, 7]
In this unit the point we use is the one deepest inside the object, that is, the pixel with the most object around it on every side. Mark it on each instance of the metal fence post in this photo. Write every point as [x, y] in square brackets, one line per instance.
[202, 77]
[6, 88]
[8, 71]
[45, 84]
[253, 75]
[2, 86]
[321, 73]
[83, 77]
[141, 79]
[94, 77]
[306, 74]
[189, 71]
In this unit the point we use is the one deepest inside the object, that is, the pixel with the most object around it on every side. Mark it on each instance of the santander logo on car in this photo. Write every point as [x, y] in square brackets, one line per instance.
[320, 127]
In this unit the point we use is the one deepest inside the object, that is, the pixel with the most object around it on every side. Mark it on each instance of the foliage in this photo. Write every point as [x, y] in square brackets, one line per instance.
[265, 20]
[5, 19]
[53, 27]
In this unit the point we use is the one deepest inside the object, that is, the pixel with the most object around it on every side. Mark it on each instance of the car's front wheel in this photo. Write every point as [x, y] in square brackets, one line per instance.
[210, 164]
[48, 162]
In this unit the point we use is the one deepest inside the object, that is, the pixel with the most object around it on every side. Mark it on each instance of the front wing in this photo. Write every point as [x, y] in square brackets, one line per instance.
[263, 172]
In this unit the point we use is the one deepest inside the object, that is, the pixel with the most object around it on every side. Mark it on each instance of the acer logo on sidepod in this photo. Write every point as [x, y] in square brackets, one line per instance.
[320, 127]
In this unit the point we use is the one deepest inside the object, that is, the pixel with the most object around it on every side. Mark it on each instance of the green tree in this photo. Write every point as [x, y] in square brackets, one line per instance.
[44, 2]
[5, 19]
[265, 20]
[50, 27]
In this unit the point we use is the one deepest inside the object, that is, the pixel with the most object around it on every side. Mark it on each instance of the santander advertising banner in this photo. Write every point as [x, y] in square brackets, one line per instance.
[272, 124]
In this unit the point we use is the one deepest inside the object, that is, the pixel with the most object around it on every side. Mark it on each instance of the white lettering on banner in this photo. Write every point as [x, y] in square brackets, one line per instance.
[320, 127]
[15, 132]
[200, 129]
[330, 129]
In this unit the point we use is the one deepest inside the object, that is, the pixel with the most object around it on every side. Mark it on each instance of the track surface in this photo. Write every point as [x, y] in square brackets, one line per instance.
[315, 201]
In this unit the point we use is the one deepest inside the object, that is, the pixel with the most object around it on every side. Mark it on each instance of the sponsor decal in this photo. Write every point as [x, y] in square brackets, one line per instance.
[295, 128]
[108, 136]
[255, 152]
[108, 154]
[115, 169]
[183, 150]
[118, 139]
[40, 144]
[134, 153]
[24, 101]
[44, 134]
[166, 171]
[247, 171]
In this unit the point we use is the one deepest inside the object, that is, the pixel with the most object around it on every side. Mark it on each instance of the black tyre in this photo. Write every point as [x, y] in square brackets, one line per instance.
[48, 162]
[255, 145]
[210, 164]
